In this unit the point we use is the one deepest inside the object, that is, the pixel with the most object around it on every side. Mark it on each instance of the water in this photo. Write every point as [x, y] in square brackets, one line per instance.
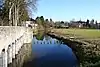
[50, 52]
[23, 55]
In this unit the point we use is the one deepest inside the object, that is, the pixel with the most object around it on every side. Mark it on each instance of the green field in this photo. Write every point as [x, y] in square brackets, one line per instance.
[83, 33]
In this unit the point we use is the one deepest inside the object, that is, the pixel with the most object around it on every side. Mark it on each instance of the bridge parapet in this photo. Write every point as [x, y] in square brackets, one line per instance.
[11, 40]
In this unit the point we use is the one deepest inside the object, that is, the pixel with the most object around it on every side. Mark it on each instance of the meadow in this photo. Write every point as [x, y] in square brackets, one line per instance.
[80, 33]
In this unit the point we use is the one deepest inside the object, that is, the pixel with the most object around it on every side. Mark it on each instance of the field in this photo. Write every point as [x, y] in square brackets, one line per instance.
[88, 54]
[80, 33]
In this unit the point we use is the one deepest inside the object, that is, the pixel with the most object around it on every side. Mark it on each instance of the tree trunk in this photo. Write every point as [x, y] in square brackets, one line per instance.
[10, 21]
[15, 16]
[9, 16]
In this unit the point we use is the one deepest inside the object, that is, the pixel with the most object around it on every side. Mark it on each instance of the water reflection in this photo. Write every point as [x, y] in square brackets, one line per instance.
[39, 35]
[23, 55]
[49, 52]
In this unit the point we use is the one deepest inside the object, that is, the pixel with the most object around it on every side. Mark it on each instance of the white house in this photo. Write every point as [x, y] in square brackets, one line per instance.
[31, 24]
[27, 23]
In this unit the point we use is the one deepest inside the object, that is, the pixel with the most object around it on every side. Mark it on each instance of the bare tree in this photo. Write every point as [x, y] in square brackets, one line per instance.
[18, 10]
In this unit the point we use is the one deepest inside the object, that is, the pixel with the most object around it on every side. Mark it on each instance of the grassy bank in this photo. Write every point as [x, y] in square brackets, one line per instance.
[83, 33]
[89, 54]
[91, 36]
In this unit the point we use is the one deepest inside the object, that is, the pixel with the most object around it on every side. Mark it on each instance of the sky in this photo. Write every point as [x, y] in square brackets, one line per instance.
[67, 10]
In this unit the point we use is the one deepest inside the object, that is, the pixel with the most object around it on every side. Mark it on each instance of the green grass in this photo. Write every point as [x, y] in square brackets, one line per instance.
[86, 33]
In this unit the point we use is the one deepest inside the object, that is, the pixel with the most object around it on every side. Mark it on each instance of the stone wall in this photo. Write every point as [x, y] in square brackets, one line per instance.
[12, 39]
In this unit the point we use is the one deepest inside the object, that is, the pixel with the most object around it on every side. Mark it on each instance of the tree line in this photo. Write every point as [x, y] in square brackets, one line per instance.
[14, 12]
[85, 24]
[47, 23]
[43, 23]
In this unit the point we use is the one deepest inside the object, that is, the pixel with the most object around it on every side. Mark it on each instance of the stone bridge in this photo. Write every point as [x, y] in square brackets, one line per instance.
[12, 39]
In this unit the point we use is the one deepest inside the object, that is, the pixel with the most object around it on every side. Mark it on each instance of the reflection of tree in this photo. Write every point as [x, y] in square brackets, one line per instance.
[57, 42]
[47, 38]
[50, 42]
[40, 35]
[44, 42]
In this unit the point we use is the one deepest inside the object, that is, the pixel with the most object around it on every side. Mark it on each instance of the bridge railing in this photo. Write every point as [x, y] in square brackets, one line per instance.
[9, 39]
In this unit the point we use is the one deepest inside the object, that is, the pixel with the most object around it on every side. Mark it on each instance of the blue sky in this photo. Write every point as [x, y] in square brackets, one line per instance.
[68, 9]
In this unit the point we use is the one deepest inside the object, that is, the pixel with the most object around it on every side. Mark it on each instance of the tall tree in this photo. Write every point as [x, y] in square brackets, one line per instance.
[47, 25]
[87, 23]
[92, 23]
[38, 20]
[51, 22]
[62, 22]
[96, 24]
[18, 10]
[42, 20]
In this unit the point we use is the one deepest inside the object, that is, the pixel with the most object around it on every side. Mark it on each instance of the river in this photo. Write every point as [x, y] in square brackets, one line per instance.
[50, 52]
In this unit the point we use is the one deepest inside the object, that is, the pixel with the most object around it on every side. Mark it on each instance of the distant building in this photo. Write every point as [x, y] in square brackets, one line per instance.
[61, 24]
[34, 26]
[27, 23]
[98, 25]
[31, 24]
[78, 24]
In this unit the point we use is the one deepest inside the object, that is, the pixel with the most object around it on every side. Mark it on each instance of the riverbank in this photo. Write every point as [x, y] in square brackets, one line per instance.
[85, 43]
